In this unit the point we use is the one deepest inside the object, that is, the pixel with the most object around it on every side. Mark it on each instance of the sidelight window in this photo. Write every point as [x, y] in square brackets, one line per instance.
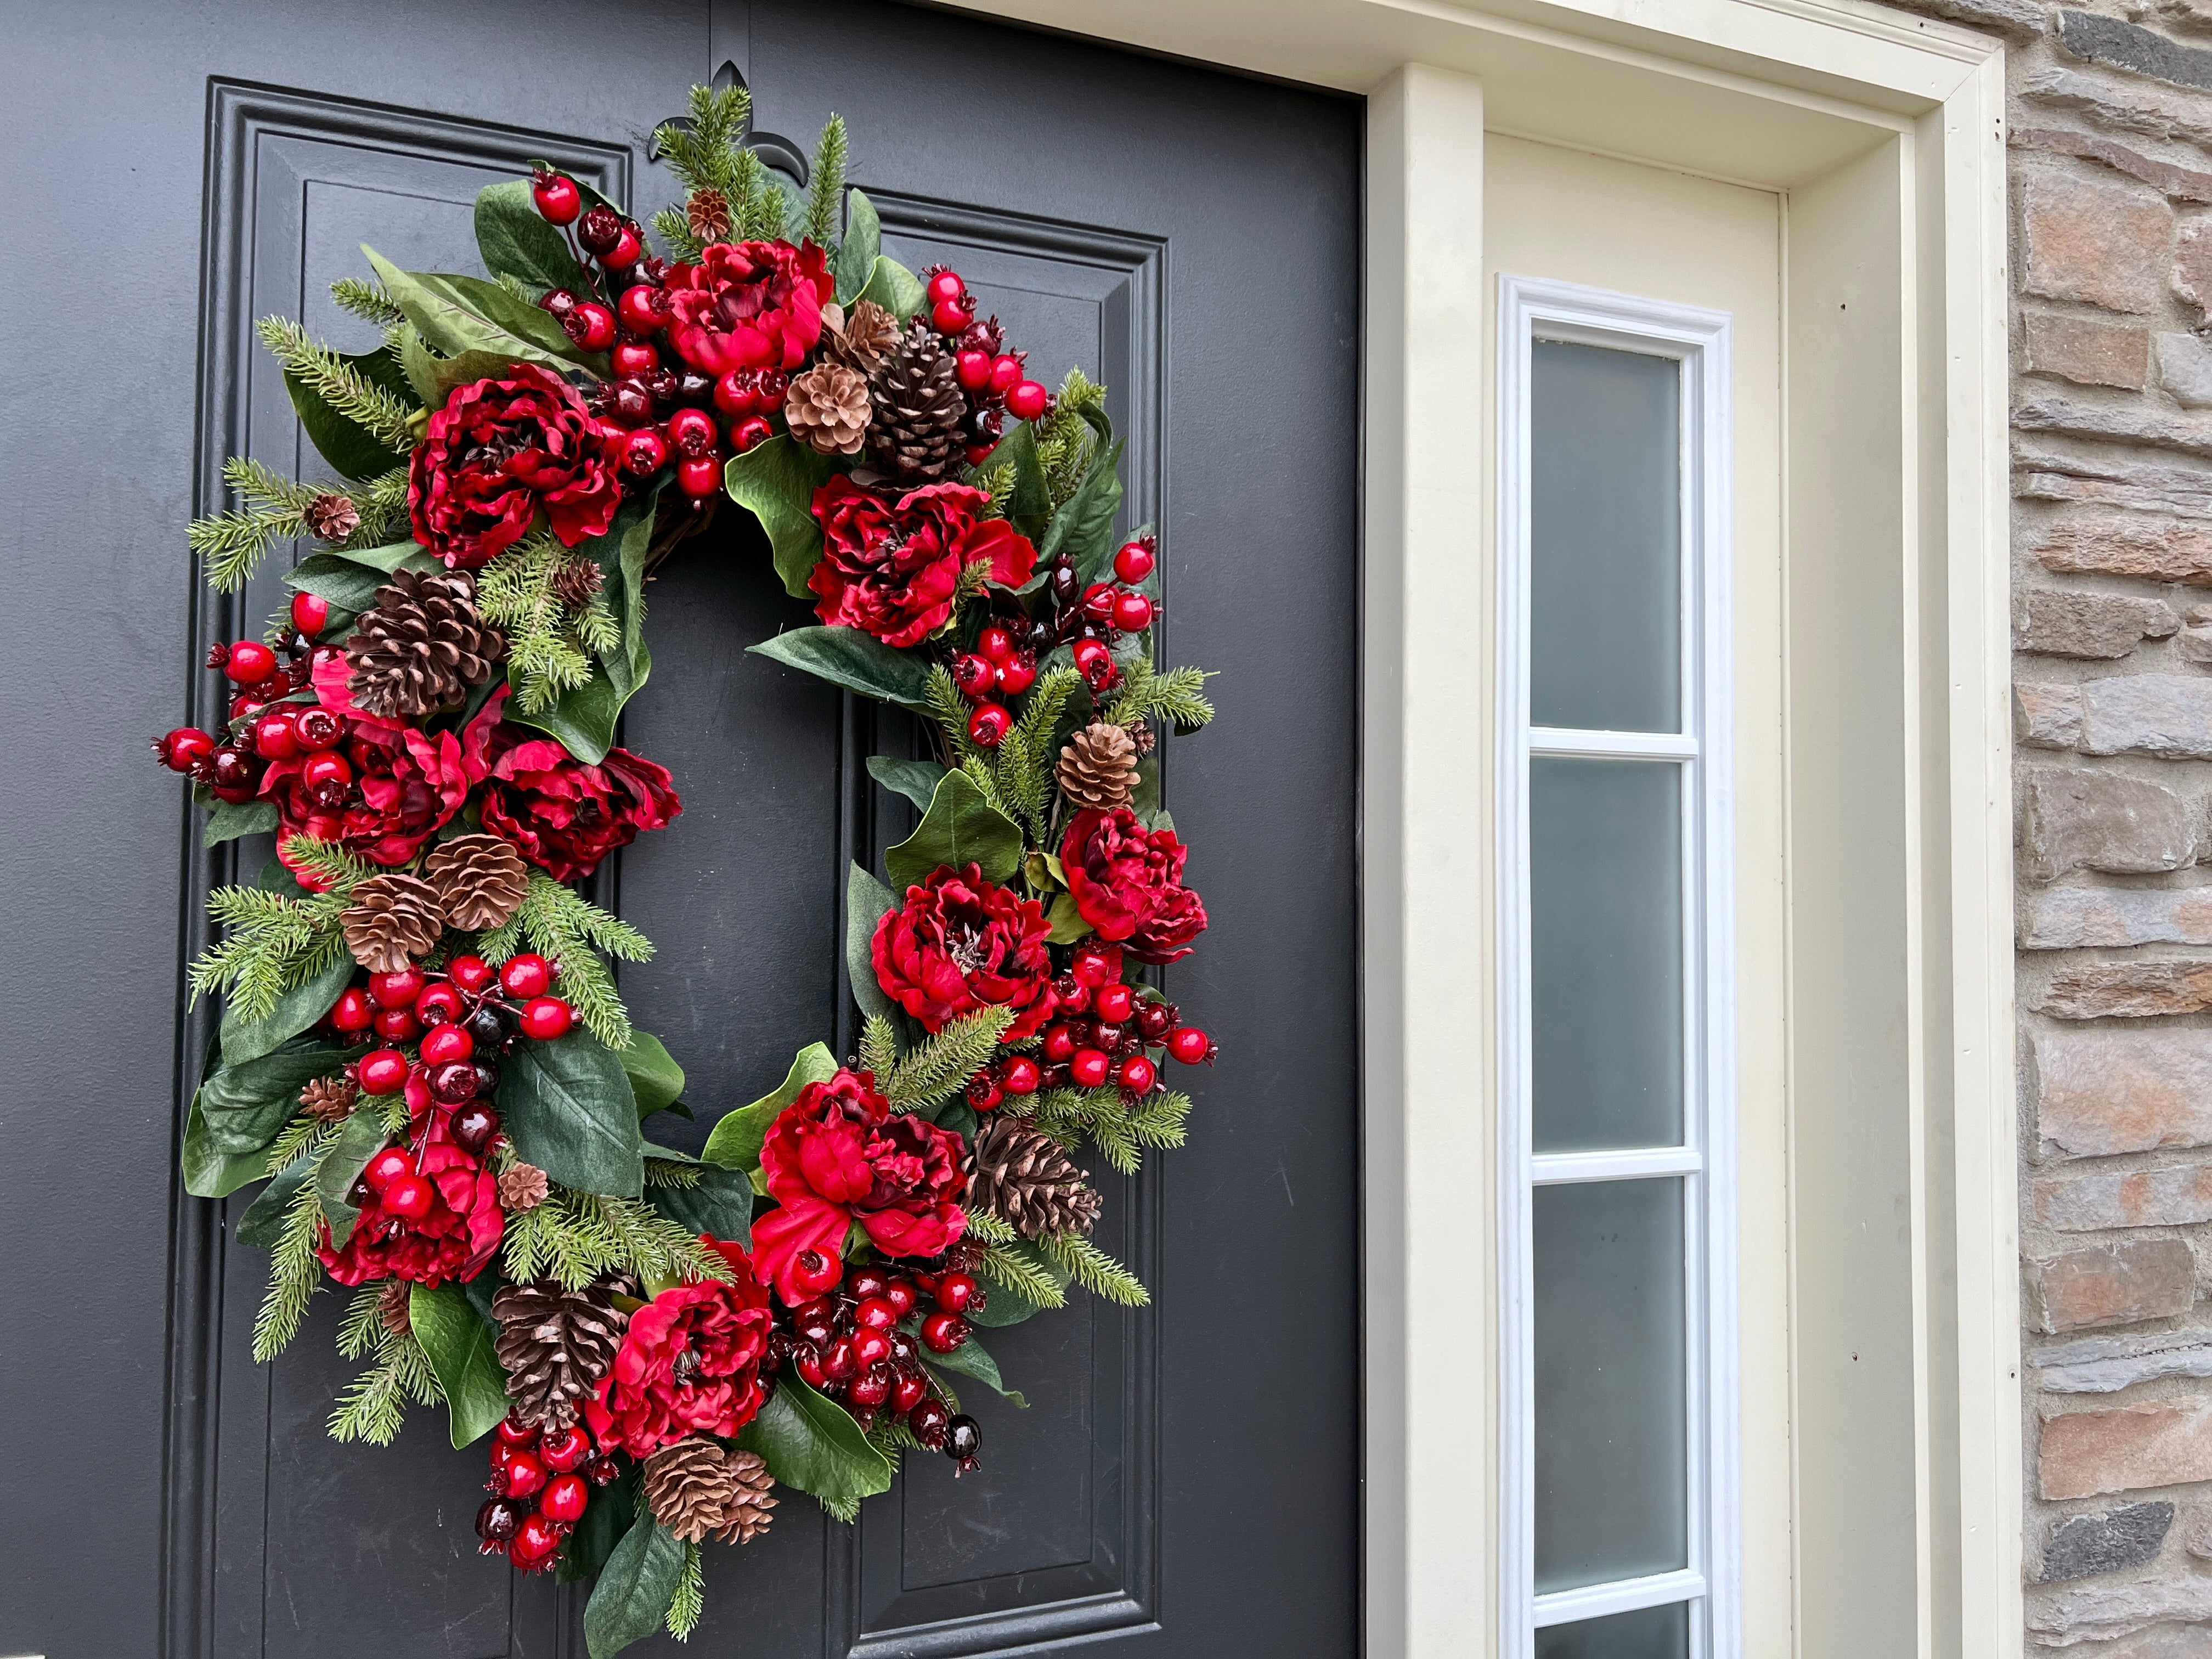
[1617, 1092]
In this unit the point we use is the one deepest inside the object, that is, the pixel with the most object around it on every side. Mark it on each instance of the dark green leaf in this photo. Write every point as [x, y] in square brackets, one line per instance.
[654, 1077]
[894, 288]
[914, 779]
[295, 1011]
[231, 819]
[859, 662]
[458, 314]
[1084, 528]
[210, 1172]
[264, 1220]
[247, 1102]
[387, 558]
[719, 1202]
[348, 580]
[635, 1588]
[1067, 923]
[867, 902]
[958, 1115]
[856, 254]
[735, 1143]
[812, 1443]
[1032, 497]
[515, 240]
[446, 372]
[457, 1342]
[775, 480]
[969, 1359]
[1005, 1306]
[361, 1139]
[569, 1106]
[584, 718]
[349, 446]
[961, 827]
[593, 1538]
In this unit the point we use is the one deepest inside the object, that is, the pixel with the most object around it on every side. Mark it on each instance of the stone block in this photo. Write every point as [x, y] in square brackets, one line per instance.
[2082, 918]
[2094, 240]
[2086, 353]
[2113, 1284]
[2154, 1443]
[2126, 45]
[2047, 716]
[2194, 641]
[2126, 425]
[2183, 183]
[2156, 551]
[2144, 1610]
[2091, 626]
[2139, 1198]
[2184, 369]
[2109, 478]
[2106, 1365]
[2128, 990]
[2082, 1544]
[2163, 715]
[2113, 1089]
[2077, 819]
[2129, 106]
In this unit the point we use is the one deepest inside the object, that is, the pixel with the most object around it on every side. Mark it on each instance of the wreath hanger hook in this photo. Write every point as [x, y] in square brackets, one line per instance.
[778, 151]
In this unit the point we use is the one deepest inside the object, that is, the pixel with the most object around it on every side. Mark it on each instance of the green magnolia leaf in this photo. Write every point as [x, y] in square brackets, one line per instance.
[1007, 1306]
[352, 451]
[1032, 497]
[584, 718]
[856, 255]
[894, 288]
[961, 827]
[515, 240]
[969, 1359]
[635, 1588]
[867, 902]
[208, 1171]
[859, 662]
[387, 558]
[1083, 530]
[1067, 923]
[914, 779]
[735, 1143]
[264, 1220]
[446, 372]
[350, 583]
[459, 314]
[421, 365]
[231, 819]
[457, 1341]
[569, 1106]
[654, 1077]
[592, 1538]
[361, 1139]
[247, 1102]
[775, 480]
[295, 1011]
[719, 1202]
[812, 1443]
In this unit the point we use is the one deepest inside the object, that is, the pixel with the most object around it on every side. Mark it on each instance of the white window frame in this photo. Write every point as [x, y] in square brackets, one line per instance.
[1529, 310]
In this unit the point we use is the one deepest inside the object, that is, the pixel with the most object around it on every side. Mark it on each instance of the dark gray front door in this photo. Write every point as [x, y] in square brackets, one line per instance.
[1185, 1483]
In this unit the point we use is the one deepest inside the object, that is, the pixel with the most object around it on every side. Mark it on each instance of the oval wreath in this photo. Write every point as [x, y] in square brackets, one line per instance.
[422, 1049]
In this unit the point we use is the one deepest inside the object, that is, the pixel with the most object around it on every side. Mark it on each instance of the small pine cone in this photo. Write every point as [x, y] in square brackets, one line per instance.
[482, 880]
[914, 427]
[327, 1099]
[331, 517]
[746, 1516]
[861, 339]
[394, 918]
[707, 213]
[523, 1187]
[1140, 733]
[555, 1346]
[688, 1486]
[827, 408]
[1098, 767]
[578, 582]
[392, 1309]
[422, 646]
[1025, 1177]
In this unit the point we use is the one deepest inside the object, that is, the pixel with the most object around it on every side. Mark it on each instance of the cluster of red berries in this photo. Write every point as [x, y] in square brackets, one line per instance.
[263, 725]
[1003, 662]
[995, 382]
[859, 1339]
[540, 1486]
[1101, 1036]
[999, 666]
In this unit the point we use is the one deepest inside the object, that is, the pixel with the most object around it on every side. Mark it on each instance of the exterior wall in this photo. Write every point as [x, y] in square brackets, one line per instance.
[2110, 136]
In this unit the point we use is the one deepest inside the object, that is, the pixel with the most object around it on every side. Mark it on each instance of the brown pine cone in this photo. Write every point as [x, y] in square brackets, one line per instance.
[827, 408]
[523, 1187]
[1025, 1177]
[394, 918]
[746, 1516]
[327, 1099]
[1098, 767]
[914, 427]
[554, 1345]
[392, 1312]
[331, 517]
[422, 646]
[861, 338]
[687, 1487]
[1140, 733]
[578, 582]
[480, 878]
[707, 213]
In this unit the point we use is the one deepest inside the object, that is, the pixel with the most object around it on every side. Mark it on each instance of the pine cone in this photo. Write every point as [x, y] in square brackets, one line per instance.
[392, 1310]
[1098, 767]
[1140, 733]
[523, 1187]
[827, 408]
[1025, 1177]
[746, 1516]
[707, 213]
[915, 429]
[421, 646]
[688, 1486]
[331, 517]
[327, 1099]
[480, 879]
[578, 582]
[861, 339]
[555, 1345]
[394, 918]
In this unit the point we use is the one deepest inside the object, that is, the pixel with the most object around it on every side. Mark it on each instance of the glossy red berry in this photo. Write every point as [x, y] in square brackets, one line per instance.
[952, 316]
[1095, 663]
[514, 1432]
[1088, 1067]
[410, 1197]
[353, 1011]
[310, 612]
[1136, 1075]
[471, 973]
[628, 248]
[546, 1018]
[1132, 612]
[1095, 964]
[700, 476]
[569, 1449]
[988, 725]
[1019, 1075]
[634, 359]
[560, 301]
[1112, 1003]
[557, 197]
[983, 1092]
[1190, 1045]
[1134, 560]
[318, 728]
[871, 1388]
[996, 643]
[1018, 674]
[973, 676]
[816, 1270]
[386, 1167]
[644, 452]
[590, 326]
[692, 432]
[737, 393]
[182, 748]
[839, 1362]
[1060, 1041]
[440, 1003]
[397, 990]
[945, 285]
[497, 1521]
[249, 662]
[474, 1125]
[1005, 373]
[806, 1360]
[326, 777]
[565, 1497]
[902, 1295]
[453, 1082]
[870, 1347]
[927, 1422]
[875, 1313]
[750, 432]
[526, 975]
[441, 1043]
[642, 308]
[382, 1072]
[973, 370]
[907, 1388]
[1026, 399]
[536, 1543]
[955, 1292]
[943, 1332]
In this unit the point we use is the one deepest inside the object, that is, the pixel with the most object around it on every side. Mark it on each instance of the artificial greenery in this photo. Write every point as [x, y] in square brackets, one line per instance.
[374, 1406]
[567, 928]
[271, 941]
[549, 642]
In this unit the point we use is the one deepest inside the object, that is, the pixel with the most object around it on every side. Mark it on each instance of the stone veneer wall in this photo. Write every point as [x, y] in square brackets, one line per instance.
[2110, 128]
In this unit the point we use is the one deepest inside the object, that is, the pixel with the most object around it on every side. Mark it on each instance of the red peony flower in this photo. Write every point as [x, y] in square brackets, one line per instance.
[689, 1364]
[566, 816]
[837, 1155]
[751, 305]
[500, 452]
[961, 943]
[454, 1241]
[1128, 883]
[891, 567]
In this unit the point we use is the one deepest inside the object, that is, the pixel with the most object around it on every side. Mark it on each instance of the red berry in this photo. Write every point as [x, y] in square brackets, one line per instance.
[397, 990]
[973, 370]
[954, 1291]
[983, 1092]
[1005, 373]
[625, 252]
[526, 1476]
[546, 1018]
[644, 309]
[319, 728]
[871, 1388]
[557, 197]
[950, 316]
[1134, 561]
[353, 1011]
[471, 973]
[566, 1450]
[1190, 1045]
[1018, 674]
[565, 1497]
[907, 1388]
[900, 1294]
[497, 1521]
[692, 432]
[382, 1072]
[988, 725]
[590, 326]
[537, 1542]
[439, 1004]
[177, 750]
[410, 1197]
[559, 301]
[750, 432]
[1088, 1067]
[816, 1272]
[875, 1313]
[526, 975]
[1026, 399]
[738, 392]
[1060, 1041]
[1155, 1019]
[1137, 1075]
[512, 1432]
[442, 1043]
[396, 1024]
[474, 1124]
[973, 676]
[806, 1360]
[644, 452]
[870, 1347]
[943, 1332]
[1095, 663]
[249, 662]
[927, 1421]
[1132, 612]
[310, 612]
[699, 477]
[386, 1167]
[1111, 1003]
[326, 777]
[997, 643]
[839, 1362]
[1019, 1075]
[946, 285]
[634, 359]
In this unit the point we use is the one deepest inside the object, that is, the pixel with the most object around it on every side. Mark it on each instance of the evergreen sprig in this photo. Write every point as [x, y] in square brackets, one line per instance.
[549, 643]
[366, 299]
[825, 185]
[383, 414]
[232, 545]
[564, 926]
[271, 941]
[1092, 1268]
[294, 1268]
[577, 1236]
[1009, 1268]
[690, 1598]
[878, 1045]
[706, 151]
[1177, 697]
[1073, 1116]
[374, 1408]
[1025, 761]
[939, 1067]
[1064, 440]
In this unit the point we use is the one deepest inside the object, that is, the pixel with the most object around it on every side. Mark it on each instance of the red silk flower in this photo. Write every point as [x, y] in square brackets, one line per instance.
[688, 1364]
[891, 567]
[1127, 881]
[454, 1241]
[500, 452]
[565, 815]
[961, 942]
[748, 305]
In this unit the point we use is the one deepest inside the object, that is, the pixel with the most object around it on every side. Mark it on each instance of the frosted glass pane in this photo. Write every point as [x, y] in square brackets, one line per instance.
[1651, 1633]
[1612, 1414]
[1605, 842]
[1606, 578]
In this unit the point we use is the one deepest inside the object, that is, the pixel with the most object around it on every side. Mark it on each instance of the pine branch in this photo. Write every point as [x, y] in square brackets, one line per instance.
[846, 1510]
[1065, 441]
[363, 1324]
[368, 300]
[232, 545]
[690, 1598]
[294, 1269]
[1026, 760]
[699, 151]
[548, 644]
[382, 414]
[1176, 695]
[562, 925]
[1095, 1271]
[673, 227]
[991, 1228]
[939, 1067]
[666, 1172]
[577, 1236]
[291, 1140]
[996, 482]
[382, 504]
[826, 185]
[1160, 1118]
[1009, 1268]
[374, 1408]
[878, 1045]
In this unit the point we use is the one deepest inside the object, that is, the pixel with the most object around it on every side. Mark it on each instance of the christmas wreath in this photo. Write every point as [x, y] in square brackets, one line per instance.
[423, 1050]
